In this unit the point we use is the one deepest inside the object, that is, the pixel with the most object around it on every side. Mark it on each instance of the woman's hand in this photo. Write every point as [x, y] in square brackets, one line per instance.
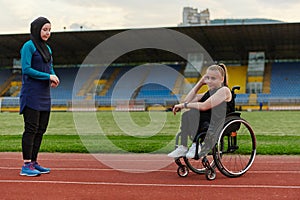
[177, 108]
[54, 81]
[203, 80]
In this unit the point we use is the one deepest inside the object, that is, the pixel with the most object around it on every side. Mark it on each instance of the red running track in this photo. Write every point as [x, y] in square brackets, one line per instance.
[82, 176]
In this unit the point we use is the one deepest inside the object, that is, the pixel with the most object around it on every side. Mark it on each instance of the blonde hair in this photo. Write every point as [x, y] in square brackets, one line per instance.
[223, 71]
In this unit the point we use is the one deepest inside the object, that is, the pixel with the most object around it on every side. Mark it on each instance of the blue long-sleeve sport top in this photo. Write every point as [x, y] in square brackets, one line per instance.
[35, 92]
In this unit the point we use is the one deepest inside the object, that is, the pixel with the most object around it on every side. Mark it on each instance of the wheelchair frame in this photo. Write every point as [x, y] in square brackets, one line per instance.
[233, 154]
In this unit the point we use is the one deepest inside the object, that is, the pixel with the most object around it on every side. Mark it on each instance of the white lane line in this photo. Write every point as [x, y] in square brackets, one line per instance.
[152, 184]
[145, 170]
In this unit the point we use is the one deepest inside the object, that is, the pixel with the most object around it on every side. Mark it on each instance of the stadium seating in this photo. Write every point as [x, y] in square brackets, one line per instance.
[5, 79]
[62, 94]
[4, 74]
[284, 84]
[238, 76]
[285, 80]
[154, 93]
[131, 83]
[156, 85]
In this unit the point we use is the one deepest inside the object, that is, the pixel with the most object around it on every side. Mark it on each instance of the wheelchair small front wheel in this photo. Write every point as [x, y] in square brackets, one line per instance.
[195, 164]
[210, 174]
[182, 171]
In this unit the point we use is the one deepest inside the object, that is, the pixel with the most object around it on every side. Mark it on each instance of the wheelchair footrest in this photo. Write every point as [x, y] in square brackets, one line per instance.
[178, 162]
[206, 163]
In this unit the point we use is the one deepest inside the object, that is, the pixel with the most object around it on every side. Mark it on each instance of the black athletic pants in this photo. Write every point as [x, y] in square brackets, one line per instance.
[35, 125]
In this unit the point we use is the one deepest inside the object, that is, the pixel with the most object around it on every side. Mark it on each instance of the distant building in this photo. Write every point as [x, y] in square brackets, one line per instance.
[191, 16]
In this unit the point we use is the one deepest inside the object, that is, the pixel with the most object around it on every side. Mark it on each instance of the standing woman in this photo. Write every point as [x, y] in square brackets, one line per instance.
[35, 101]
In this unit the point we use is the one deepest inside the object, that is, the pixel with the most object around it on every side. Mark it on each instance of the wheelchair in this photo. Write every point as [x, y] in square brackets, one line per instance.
[232, 154]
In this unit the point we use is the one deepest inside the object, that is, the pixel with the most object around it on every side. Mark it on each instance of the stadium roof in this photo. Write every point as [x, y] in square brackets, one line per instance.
[227, 43]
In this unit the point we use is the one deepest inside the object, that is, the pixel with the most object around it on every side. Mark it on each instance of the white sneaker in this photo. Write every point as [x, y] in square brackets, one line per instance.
[192, 151]
[179, 152]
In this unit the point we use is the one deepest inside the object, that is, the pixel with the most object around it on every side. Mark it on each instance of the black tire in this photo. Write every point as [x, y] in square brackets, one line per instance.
[236, 147]
[182, 171]
[210, 174]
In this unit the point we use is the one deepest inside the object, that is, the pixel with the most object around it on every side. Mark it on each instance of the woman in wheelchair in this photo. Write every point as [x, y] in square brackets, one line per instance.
[200, 108]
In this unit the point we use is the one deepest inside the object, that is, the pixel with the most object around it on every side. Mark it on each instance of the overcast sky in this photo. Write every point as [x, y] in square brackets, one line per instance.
[16, 15]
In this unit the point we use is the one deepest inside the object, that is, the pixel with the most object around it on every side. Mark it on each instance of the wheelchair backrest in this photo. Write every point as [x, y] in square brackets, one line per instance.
[231, 104]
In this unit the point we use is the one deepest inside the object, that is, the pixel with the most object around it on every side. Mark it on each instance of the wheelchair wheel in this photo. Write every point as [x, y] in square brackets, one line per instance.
[196, 165]
[182, 171]
[236, 147]
[210, 174]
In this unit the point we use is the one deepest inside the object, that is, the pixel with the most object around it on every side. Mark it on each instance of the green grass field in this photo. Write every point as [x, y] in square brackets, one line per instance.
[276, 133]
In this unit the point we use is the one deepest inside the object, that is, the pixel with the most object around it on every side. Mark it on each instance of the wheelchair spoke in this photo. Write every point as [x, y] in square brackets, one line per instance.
[236, 148]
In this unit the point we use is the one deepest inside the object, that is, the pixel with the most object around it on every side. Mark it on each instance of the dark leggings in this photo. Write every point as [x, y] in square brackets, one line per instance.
[36, 123]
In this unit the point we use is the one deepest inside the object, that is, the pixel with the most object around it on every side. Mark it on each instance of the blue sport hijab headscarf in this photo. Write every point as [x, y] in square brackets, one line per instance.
[35, 36]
